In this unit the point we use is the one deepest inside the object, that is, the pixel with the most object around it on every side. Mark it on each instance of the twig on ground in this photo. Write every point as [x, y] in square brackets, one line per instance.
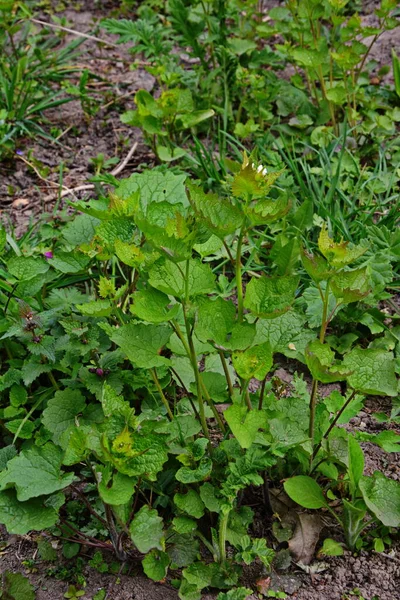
[88, 186]
[73, 31]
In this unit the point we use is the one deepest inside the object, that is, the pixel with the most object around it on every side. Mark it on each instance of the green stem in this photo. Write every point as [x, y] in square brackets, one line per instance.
[325, 320]
[262, 392]
[163, 398]
[223, 525]
[238, 267]
[226, 371]
[211, 404]
[245, 394]
[313, 404]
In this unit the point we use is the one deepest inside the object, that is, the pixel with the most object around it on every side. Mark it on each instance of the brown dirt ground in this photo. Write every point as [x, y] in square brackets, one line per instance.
[23, 195]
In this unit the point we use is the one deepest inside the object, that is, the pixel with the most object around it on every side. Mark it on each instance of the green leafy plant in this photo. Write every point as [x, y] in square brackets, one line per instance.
[138, 347]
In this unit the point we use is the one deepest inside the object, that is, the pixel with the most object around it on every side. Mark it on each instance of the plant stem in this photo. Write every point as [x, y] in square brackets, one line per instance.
[226, 371]
[212, 406]
[332, 425]
[262, 393]
[223, 524]
[163, 398]
[313, 403]
[238, 267]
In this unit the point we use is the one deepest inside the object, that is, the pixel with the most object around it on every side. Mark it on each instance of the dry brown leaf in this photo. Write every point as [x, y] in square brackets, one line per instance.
[305, 537]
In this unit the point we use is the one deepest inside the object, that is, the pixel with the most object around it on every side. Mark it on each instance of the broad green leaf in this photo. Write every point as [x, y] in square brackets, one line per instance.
[170, 278]
[331, 547]
[373, 371]
[96, 308]
[22, 517]
[183, 549]
[118, 228]
[153, 306]
[356, 463]
[6, 454]
[305, 491]
[350, 286]
[144, 455]
[255, 362]
[208, 495]
[155, 565]
[287, 334]
[18, 395]
[316, 266]
[142, 343]
[190, 503]
[27, 267]
[338, 254]
[80, 231]
[270, 296]
[235, 594]
[36, 471]
[216, 321]
[69, 262]
[263, 212]
[146, 530]
[199, 574]
[61, 411]
[218, 214]
[200, 473]
[184, 525]
[16, 587]
[382, 496]
[321, 361]
[135, 256]
[117, 489]
[154, 186]
[285, 253]
[113, 404]
[245, 424]
[195, 117]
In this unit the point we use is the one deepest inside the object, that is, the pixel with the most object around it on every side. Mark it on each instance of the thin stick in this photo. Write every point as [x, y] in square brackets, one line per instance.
[78, 33]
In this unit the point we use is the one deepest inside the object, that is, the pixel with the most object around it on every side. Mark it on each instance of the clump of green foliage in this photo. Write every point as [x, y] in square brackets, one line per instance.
[139, 340]
[332, 123]
[32, 63]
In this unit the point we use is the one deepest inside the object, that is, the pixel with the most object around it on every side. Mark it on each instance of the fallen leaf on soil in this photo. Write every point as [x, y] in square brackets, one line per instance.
[20, 203]
[305, 537]
[263, 585]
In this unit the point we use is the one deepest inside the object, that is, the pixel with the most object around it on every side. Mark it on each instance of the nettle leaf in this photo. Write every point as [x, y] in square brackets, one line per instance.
[69, 262]
[26, 267]
[35, 472]
[218, 214]
[267, 211]
[270, 296]
[287, 334]
[216, 321]
[135, 256]
[96, 308]
[118, 228]
[245, 424]
[154, 186]
[321, 361]
[316, 266]
[170, 278]
[372, 371]
[144, 457]
[153, 306]
[81, 230]
[350, 286]
[305, 491]
[155, 565]
[338, 254]
[61, 411]
[146, 530]
[190, 503]
[142, 343]
[14, 586]
[6, 454]
[253, 362]
[382, 496]
[22, 517]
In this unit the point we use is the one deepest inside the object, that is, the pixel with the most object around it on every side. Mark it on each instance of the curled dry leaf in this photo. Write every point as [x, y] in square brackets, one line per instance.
[305, 538]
